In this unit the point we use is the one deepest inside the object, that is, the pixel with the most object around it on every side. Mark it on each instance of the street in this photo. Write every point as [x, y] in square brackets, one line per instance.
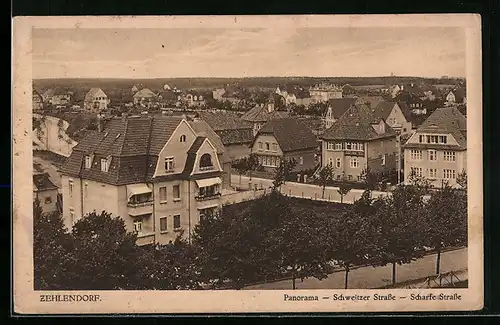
[48, 167]
[374, 277]
[310, 191]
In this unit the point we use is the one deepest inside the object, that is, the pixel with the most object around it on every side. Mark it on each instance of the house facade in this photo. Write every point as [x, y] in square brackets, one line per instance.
[144, 97]
[336, 108]
[157, 173]
[260, 114]
[397, 117]
[456, 96]
[194, 99]
[324, 92]
[359, 140]
[438, 148]
[96, 100]
[37, 101]
[45, 192]
[60, 97]
[286, 138]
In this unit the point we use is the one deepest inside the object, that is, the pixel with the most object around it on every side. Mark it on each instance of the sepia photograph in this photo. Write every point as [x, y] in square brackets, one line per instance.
[300, 163]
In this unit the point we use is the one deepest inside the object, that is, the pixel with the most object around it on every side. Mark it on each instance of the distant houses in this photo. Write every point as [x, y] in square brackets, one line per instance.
[60, 97]
[438, 148]
[96, 100]
[456, 96]
[260, 114]
[324, 92]
[144, 97]
[285, 138]
[356, 141]
[37, 101]
[294, 95]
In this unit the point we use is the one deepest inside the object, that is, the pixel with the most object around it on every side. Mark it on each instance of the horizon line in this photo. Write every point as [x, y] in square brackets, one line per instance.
[252, 77]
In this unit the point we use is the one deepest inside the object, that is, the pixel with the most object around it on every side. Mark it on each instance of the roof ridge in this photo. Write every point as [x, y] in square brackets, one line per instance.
[124, 135]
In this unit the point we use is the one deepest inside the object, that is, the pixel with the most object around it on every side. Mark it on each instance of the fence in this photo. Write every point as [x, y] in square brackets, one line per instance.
[237, 197]
[450, 279]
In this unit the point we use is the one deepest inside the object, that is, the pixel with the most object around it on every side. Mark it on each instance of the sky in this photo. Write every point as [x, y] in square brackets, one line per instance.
[230, 52]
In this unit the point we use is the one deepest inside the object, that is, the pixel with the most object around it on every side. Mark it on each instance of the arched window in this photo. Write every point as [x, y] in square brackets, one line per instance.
[183, 138]
[206, 161]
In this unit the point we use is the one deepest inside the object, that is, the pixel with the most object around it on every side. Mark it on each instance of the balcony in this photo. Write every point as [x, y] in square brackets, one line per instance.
[145, 238]
[137, 209]
[207, 197]
[206, 168]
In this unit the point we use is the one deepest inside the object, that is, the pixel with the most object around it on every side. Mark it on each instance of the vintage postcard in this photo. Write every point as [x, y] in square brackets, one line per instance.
[247, 164]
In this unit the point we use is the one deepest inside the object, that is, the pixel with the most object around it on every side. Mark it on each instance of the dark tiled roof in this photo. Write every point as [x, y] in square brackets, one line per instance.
[168, 95]
[203, 129]
[144, 93]
[60, 91]
[236, 136]
[446, 120]
[224, 120]
[261, 114]
[133, 145]
[41, 182]
[374, 101]
[406, 110]
[291, 134]
[384, 109]
[340, 105]
[459, 94]
[356, 124]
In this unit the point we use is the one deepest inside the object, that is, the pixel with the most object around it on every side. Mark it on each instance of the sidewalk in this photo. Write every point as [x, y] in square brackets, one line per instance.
[375, 277]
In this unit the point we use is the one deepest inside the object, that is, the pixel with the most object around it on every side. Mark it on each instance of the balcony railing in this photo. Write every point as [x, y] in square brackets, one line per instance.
[137, 209]
[207, 197]
[206, 168]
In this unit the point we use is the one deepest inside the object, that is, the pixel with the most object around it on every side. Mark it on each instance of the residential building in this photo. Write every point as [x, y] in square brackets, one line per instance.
[336, 108]
[195, 99]
[37, 101]
[438, 148]
[260, 114]
[398, 118]
[370, 101]
[217, 93]
[144, 97]
[60, 97]
[394, 90]
[323, 92]
[456, 96]
[356, 141]
[157, 173]
[235, 133]
[96, 100]
[303, 98]
[45, 192]
[286, 138]
[47, 95]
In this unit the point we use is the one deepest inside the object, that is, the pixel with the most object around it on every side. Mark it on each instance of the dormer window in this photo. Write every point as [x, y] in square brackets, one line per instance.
[183, 138]
[88, 162]
[206, 162]
[169, 164]
[105, 162]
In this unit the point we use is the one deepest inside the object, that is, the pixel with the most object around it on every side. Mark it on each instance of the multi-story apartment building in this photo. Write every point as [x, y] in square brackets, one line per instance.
[324, 92]
[438, 148]
[157, 173]
[356, 141]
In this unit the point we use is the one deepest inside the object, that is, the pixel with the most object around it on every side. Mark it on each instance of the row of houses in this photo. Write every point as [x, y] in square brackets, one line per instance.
[95, 100]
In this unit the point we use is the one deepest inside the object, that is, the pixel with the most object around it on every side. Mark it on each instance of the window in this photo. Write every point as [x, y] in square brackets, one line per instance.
[169, 164]
[72, 216]
[421, 138]
[177, 221]
[416, 154]
[206, 162]
[443, 139]
[338, 146]
[268, 146]
[331, 146]
[163, 194]
[88, 162]
[338, 163]
[86, 189]
[301, 160]
[330, 161]
[138, 226]
[177, 192]
[48, 200]
[260, 145]
[163, 224]
[354, 163]
[183, 138]
[275, 147]
[349, 177]
[432, 173]
[104, 165]
[416, 170]
[450, 156]
[383, 159]
[338, 177]
[70, 187]
[432, 155]
[449, 173]
[348, 146]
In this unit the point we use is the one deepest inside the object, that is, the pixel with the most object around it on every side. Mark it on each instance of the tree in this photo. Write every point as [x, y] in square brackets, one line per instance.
[105, 255]
[252, 164]
[343, 190]
[51, 250]
[369, 178]
[282, 173]
[419, 181]
[462, 179]
[352, 235]
[325, 176]
[241, 167]
[446, 220]
[400, 228]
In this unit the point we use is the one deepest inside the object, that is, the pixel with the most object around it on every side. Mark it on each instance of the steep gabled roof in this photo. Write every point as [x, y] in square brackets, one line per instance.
[42, 182]
[92, 93]
[224, 120]
[357, 124]
[340, 105]
[291, 134]
[447, 120]
[459, 93]
[144, 93]
[261, 114]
